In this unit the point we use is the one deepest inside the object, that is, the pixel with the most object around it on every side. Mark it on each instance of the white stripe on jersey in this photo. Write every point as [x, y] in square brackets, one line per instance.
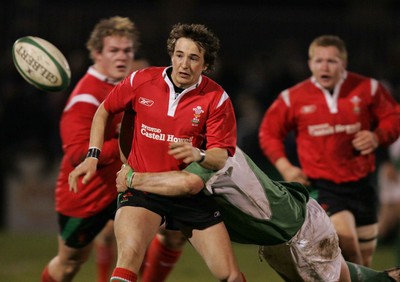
[132, 77]
[285, 97]
[374, 86]
[224, 97]
[86, 98]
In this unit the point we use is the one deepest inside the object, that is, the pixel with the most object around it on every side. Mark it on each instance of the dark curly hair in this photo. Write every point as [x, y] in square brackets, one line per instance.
[199, 34]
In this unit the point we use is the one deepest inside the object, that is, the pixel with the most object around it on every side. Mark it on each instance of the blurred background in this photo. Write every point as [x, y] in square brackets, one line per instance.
[263, 51]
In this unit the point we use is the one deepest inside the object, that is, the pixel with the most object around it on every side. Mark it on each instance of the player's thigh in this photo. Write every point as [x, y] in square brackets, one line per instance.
[134, 228]
[214, 246]
[344, 223]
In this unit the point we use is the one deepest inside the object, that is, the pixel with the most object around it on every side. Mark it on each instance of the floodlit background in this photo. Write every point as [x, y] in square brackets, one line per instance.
[263, 51]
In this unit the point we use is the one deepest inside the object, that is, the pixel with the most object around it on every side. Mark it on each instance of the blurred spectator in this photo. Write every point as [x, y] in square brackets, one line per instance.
[389, 192]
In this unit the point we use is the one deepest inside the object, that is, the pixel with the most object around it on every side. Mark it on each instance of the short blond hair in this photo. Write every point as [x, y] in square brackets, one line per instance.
[116, 25]
[326, 41]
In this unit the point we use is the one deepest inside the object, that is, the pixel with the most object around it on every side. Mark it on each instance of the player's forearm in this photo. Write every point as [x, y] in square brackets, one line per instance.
[173, 183]
[282, 164]
[215, 158]
[290, 172]
[98, 127]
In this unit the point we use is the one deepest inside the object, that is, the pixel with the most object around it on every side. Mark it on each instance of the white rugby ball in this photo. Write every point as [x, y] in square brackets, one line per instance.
[41, 64]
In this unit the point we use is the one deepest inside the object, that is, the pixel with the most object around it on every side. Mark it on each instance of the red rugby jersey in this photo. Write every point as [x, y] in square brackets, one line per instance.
[325, 125]
[201, 112]
[75, 126]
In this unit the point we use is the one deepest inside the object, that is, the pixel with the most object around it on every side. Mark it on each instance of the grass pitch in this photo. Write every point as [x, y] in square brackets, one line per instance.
[23, 256]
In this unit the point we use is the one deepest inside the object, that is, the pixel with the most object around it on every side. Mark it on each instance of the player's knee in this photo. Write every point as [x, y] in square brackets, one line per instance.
[367, 236]
[71, 267]
[71, 270]
[174, 240]
[367, 251]
[230, 276]
[368, 245]
[368, 241]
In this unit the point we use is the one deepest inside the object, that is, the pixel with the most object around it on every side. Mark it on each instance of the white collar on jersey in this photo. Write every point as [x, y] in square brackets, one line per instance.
[170, 83]
[340, 82]
[331, 98]
[102, 77]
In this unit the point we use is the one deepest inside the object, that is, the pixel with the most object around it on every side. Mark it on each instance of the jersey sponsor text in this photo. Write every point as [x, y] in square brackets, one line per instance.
[327, 129]
[156, 134]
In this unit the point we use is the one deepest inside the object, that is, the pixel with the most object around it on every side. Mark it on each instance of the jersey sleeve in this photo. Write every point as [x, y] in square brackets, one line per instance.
[75, 134]
[274, 127]
[387, 112]
[221, 126]
[120, 98]
[204, 173]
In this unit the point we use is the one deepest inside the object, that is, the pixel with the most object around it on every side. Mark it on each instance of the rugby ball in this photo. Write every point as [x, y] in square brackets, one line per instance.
[41, 64]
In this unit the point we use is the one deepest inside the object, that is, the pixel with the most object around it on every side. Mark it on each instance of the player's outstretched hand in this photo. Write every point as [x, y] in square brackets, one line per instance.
[87, 168]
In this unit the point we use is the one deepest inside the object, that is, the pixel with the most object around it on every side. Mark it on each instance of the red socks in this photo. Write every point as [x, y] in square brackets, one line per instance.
[122, 274]
[159, 261]
[244, 278]
[46, 275]
[104, 262]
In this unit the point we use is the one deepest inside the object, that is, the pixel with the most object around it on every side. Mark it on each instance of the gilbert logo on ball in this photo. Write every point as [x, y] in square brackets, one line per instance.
[41, 64]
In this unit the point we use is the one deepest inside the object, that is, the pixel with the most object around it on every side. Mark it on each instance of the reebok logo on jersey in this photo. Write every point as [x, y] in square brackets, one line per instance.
[146, 102]
[308, 109]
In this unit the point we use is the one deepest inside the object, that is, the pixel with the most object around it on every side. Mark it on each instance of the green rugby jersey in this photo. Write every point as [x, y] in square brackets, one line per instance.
[256, 209]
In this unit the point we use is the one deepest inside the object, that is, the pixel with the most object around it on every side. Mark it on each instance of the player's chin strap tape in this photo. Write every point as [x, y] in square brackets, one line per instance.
[361, 240]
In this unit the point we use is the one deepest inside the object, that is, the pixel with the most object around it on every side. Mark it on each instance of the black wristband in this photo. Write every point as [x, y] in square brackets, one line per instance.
[93, 153]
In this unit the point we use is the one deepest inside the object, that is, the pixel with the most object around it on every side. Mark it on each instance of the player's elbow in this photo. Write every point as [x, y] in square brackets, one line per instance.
[219, 164]
[194, 184]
